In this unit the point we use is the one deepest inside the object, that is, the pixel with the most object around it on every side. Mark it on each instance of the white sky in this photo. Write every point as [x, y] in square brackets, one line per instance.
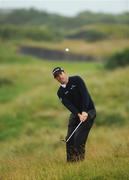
[69, 7]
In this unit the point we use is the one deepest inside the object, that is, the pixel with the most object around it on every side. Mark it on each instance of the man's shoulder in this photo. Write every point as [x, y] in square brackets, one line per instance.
[59, 91]
[75, 78]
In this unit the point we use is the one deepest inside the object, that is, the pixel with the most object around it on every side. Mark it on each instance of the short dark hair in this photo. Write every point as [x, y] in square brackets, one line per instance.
[56, 71]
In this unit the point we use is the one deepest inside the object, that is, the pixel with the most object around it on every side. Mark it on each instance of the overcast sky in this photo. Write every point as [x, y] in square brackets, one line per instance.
[69, 7]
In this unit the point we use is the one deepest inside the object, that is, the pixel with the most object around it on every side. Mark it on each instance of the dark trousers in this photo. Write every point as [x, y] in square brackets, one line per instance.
[75, 147]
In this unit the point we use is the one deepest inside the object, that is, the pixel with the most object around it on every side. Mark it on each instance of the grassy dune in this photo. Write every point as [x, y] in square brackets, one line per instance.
[32, 121]
[115, 31]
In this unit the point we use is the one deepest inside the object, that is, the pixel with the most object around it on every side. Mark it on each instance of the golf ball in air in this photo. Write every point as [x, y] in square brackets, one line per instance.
[67, 49]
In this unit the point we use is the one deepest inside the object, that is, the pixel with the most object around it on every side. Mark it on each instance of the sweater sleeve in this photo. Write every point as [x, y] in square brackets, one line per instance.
[84, 94]
[68, 104]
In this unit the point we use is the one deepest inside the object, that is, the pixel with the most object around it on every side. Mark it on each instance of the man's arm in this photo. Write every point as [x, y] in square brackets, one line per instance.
[72, 108]
[69, 105]
[85, 101]
[84, 94]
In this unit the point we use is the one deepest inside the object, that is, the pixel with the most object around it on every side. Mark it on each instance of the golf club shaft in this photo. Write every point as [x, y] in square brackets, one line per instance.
[74, 131]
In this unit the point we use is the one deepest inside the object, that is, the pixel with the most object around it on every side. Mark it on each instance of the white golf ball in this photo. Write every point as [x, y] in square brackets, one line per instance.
[66, 49]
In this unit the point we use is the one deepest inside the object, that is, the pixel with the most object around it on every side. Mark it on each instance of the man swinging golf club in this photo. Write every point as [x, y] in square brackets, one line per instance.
[74, 95]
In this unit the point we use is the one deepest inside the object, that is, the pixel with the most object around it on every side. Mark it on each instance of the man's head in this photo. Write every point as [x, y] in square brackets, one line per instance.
[60, 75]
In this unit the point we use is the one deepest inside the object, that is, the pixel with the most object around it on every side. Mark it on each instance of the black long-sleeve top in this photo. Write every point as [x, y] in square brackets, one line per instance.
[75, 96]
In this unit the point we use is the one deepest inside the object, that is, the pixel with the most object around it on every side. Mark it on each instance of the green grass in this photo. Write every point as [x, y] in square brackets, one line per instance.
[30, 159]
[32, 120]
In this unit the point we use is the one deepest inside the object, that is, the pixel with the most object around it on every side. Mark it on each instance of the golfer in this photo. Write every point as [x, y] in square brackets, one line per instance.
[74, 95]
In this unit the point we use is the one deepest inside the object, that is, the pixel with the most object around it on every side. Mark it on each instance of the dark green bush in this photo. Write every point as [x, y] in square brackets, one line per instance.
[93, 35]
[5, 82]
[88, 35]
[120, 59]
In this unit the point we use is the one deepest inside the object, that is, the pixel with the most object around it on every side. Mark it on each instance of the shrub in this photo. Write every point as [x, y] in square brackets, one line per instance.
[88, 35]
[119, 59]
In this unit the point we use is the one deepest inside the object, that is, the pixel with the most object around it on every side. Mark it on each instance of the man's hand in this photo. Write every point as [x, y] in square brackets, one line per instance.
[83, 117]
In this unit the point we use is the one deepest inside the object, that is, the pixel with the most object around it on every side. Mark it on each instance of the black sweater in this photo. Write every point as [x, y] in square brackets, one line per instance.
[75, 96]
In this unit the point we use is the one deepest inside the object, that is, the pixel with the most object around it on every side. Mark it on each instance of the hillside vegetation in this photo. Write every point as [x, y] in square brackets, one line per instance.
[94, 35]
[35, 17]
[40, 25]
[97, 32]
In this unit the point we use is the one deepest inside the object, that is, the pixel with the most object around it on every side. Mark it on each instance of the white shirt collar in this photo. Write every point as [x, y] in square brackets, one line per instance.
[63, 85]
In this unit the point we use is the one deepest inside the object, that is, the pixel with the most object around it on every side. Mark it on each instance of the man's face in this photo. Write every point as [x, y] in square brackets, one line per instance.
[62, 77]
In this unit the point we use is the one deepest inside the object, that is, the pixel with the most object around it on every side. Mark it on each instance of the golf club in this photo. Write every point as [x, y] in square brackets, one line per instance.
[72, 133]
